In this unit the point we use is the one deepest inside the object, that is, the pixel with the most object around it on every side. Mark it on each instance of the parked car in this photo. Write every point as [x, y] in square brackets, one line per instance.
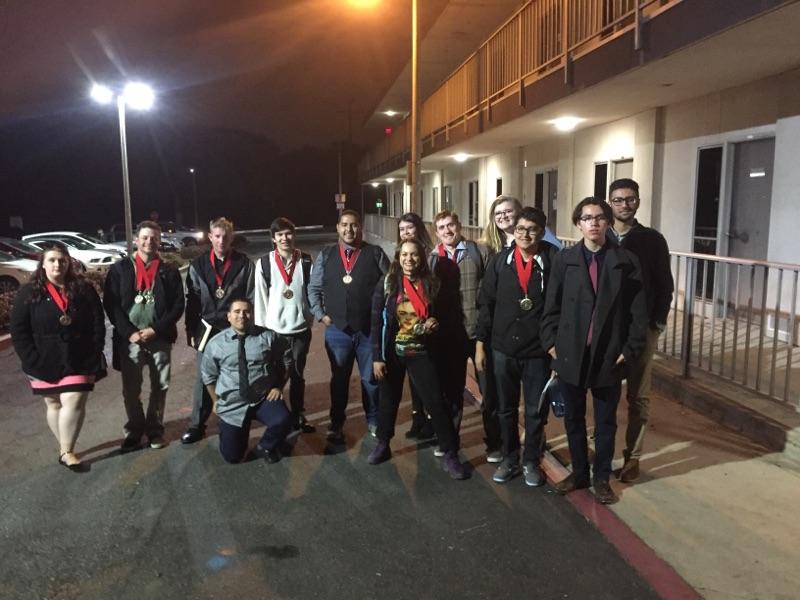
[90, 258]
[14, 271]
[19, 249]
[78, 238]
[173, 237]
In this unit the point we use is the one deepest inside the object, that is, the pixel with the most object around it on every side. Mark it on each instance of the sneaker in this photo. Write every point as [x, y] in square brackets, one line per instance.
[506, 472]
[533, 474]
[494, 456]
[335, 436]
[452, 464]
[373, 429]
[157, 442]
[130, 444]
[438, 452]
[192, 435]
[630, 471]
[381, 453]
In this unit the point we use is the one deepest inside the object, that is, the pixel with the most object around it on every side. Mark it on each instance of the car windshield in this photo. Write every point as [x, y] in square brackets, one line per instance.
[92, 239]
[19, 245]
[4, 257]
[76, 243]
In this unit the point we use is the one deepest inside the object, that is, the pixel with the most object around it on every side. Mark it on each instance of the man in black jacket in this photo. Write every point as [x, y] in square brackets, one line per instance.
[653, 253]
[213, 280]
[511, 303]
[343, 280]
[595, 320]
[143, 299]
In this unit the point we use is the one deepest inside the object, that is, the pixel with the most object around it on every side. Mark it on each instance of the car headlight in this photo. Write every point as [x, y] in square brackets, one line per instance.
[198, 235]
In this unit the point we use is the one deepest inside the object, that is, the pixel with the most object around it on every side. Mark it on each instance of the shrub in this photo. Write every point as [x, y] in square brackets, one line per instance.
[6, 299]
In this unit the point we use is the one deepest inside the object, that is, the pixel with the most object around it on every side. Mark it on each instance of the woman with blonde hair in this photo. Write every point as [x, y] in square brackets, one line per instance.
[58, 331]
[499, 231]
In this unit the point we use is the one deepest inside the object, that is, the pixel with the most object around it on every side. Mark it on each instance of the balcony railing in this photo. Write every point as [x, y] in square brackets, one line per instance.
[530, 45]
[732, 317]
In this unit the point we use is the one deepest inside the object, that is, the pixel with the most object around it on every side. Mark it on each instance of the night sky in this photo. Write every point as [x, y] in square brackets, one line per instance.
[255, 95]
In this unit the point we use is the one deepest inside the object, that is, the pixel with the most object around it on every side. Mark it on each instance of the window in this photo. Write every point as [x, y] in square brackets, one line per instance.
[499, 186]
[421, 206]
[448, 197]
[538, 192]
[600, 180]
[434, 201]
[472, 213]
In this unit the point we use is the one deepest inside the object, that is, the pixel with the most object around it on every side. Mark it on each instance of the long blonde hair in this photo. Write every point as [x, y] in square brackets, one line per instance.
[493, 237]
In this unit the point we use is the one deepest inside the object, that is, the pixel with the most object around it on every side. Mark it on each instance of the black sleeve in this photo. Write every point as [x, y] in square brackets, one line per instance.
[21, 328]
[98, 318]
[173, 286]
[637, 330]
[376, 331]
[112, 302]
[193, 307]
[552, 304]
[662, 281]
[487, 297]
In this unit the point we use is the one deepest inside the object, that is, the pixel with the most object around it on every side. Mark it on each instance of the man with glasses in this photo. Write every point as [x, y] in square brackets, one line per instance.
[653, 253]
[595, 321]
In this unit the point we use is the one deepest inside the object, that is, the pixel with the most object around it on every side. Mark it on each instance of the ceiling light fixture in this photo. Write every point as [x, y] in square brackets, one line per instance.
[461, 157]
[566, 123]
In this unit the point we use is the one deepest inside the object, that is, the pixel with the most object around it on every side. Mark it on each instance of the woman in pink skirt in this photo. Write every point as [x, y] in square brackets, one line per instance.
[58, 331]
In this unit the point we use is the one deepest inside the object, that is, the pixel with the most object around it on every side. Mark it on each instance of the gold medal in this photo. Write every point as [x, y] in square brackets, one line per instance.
[287, 293]
[220, 293]
[419, 328]
[526, 303]
[65, 319]
[138, 299]
[149, 298]
[347, 279]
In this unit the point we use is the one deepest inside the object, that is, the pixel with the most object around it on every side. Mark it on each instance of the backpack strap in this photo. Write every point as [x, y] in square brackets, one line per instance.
[266, 270]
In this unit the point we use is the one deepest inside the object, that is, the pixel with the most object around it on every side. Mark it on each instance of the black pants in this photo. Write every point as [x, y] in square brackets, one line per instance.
[233, 440]
[605, 400]
[422, 372]
[531, 374]
[300, 343]
[452, 364]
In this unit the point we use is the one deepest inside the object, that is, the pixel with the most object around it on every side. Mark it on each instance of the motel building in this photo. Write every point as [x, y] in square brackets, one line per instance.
[697, 100]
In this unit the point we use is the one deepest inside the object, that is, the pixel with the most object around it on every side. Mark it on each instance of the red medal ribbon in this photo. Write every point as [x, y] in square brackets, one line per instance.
[523, 271]
[226, 265]
[61, 300]
[416, 297]
[287, 277]
[145, 274]
[443, 253]
[348, 264]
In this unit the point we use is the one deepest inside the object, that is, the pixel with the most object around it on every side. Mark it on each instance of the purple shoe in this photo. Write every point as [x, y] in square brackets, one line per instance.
[381, 453]
[452, 464]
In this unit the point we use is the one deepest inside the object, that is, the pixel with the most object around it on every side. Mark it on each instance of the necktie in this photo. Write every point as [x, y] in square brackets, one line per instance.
[593, 278]
[348, 252]
[244, 382]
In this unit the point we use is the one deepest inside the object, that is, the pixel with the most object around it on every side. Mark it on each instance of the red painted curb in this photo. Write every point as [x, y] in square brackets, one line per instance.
[5, 341]
[650, 567]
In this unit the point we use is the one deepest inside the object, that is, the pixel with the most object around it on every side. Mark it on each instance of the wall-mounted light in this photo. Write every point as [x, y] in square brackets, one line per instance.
[461, 157]
[390, 113]
[389, 179]
[566, 123]
[758, 173]
[375, 184]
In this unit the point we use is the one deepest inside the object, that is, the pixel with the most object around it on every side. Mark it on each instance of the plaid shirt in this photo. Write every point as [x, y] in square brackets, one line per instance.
[470, 274]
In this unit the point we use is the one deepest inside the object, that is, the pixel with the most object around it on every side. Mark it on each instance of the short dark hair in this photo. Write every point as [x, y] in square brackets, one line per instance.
[623, 184]
[531, 213]
[592, 201]
[351, 212]
[239, 299]
[281, 224]
[148, 225]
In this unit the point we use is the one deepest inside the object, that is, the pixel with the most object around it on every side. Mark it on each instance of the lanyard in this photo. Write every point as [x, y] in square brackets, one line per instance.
[62, 302]
[226, 265]
[416, 297]
[145, 274]
[348, 264]
[523, 271]
[287, 277]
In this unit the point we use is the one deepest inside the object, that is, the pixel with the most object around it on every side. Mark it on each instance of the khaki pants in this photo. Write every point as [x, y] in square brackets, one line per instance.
[638, 395]
[155, 356]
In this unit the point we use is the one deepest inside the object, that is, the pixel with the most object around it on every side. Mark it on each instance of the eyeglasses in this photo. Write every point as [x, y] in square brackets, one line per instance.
[627, 200]
[531, 231]
[596, 219]
[504, 213]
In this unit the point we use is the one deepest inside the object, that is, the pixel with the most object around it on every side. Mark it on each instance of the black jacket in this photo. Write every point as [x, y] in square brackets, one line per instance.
[50, 351]
[501, 322]
[620, 316]
[201, 303]
[651, 249]
[120, 291]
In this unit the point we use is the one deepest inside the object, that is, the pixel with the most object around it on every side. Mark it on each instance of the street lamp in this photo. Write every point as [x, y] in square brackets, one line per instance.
[194, 194]
[139, 96]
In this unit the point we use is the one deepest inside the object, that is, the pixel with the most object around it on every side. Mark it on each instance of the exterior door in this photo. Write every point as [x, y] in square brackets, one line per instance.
[751, 195]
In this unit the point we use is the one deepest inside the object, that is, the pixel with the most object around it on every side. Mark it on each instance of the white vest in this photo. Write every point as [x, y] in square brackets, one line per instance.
[272, 310]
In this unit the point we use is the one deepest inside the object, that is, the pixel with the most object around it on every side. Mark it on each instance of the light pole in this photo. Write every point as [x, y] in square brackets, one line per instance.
[194, 195]
[138, 96]
[414, 163]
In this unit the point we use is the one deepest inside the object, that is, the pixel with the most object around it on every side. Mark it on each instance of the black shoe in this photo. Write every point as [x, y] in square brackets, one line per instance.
[603, 493]
[426, 433]
[381, 453]
[570, 484]
[78, 467]
[303, 426]
[192, 435]
[130, 444]
[335, 436]
[272, 456]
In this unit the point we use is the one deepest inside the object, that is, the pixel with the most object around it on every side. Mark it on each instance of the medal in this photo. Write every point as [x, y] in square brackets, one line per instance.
[524, 273]
[347, 279]
[287, 276]
[65, 319]
[288, 294]
[62, 302]
[138, 299]
[149, 298]
[220, 293]
[419, 328]
[526, 303]
[348, 263]
[145, 278]
[226, 265]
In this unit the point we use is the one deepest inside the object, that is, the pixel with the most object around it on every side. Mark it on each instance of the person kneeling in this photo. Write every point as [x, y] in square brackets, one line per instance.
[244, 370]
[403, 321]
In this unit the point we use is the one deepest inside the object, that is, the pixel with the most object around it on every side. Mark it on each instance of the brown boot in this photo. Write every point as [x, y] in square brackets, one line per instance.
[630, 471]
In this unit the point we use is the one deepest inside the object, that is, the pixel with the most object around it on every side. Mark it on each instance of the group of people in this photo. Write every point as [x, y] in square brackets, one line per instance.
[514, 303]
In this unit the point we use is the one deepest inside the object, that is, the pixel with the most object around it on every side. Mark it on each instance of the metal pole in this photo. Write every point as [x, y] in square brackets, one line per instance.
[126, 186]
[414, 163]
[194, 194]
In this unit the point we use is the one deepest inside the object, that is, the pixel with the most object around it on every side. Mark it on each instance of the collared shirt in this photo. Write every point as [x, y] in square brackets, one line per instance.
[459, 252]
[268, 358]
[600, 254]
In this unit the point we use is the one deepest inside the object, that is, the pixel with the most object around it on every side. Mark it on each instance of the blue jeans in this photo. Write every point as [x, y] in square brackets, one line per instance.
[343, 349]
